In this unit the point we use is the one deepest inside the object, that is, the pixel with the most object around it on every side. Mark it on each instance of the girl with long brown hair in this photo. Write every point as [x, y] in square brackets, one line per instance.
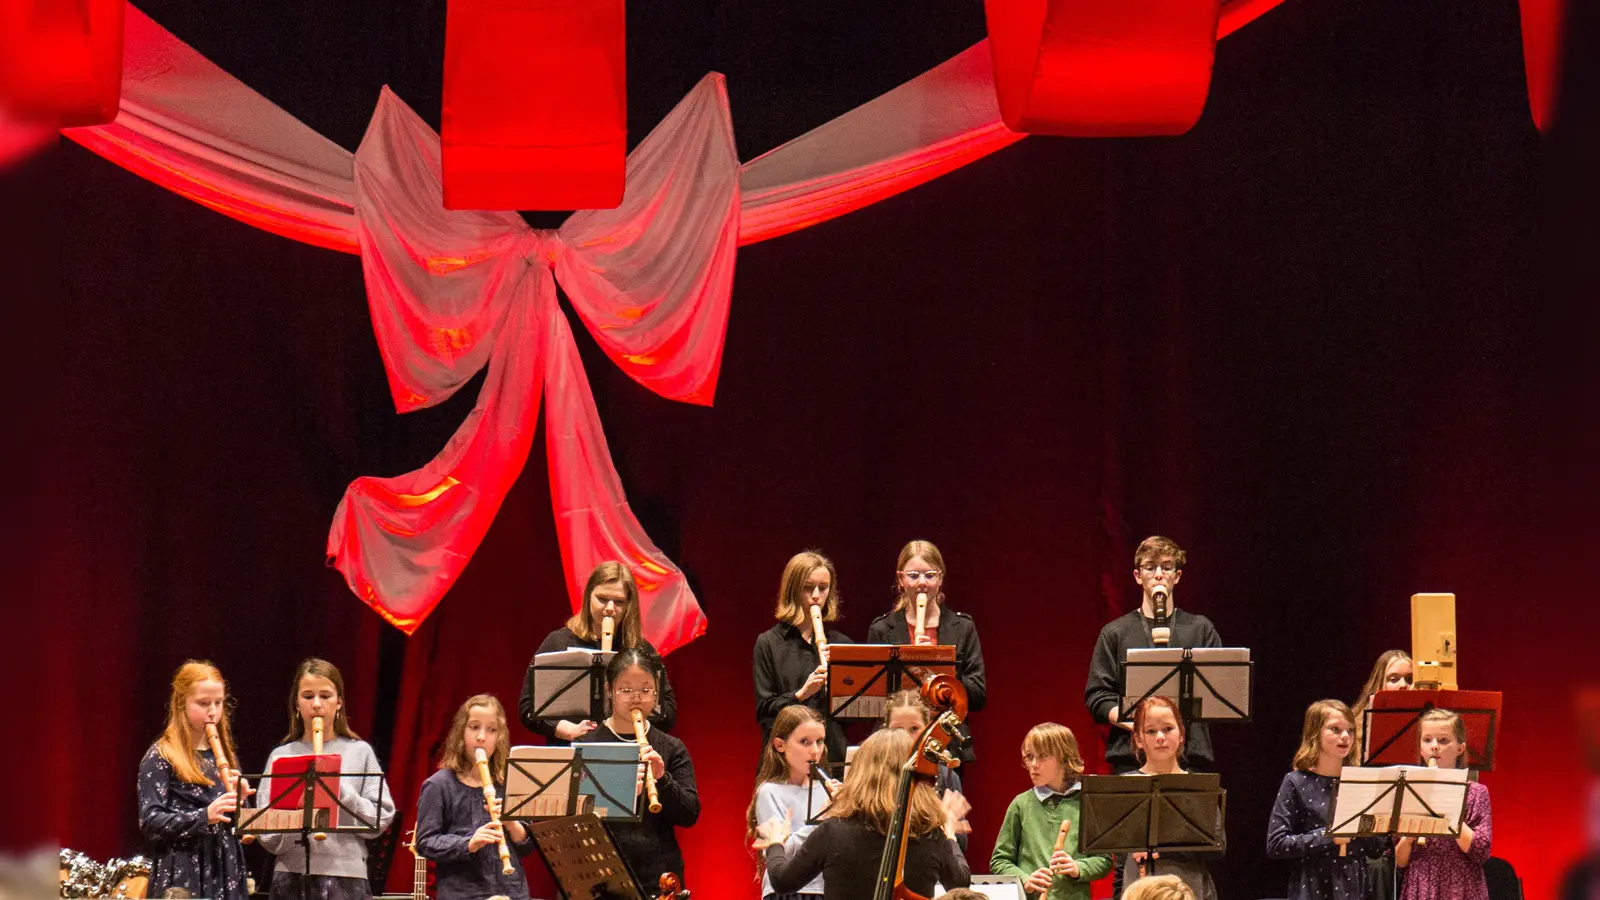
[1298, 827]
[454, 828]
[610, 591]
[846, 848]
[185, 808]
[920, 569]
[338, 864]
[788, 666]
[785, 788]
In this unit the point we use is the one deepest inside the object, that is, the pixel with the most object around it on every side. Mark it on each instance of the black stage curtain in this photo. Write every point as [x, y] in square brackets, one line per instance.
[1316, 341]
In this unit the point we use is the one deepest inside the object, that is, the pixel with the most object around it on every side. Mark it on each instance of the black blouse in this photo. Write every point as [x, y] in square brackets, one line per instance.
[784, 659]
[664, 717]
[650, 846]
[954, 629]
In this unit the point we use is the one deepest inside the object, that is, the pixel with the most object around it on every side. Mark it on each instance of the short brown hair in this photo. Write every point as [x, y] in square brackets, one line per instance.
[1317, 715]
[1155, 547]
[1057, 742]
[792, 588]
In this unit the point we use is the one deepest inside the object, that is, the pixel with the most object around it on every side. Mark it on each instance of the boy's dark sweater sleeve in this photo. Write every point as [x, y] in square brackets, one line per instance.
[1100, 692]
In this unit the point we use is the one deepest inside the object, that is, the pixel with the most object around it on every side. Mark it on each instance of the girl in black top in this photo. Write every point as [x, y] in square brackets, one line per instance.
[610, 591]
[453, 825]
[649, 846]
[920, 570]
[846, 848]
[788, 668]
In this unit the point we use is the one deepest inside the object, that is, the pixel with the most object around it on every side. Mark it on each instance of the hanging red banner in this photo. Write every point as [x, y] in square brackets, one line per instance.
[1541, 56]
[1102, 68]
[61, 62]
[535, 104]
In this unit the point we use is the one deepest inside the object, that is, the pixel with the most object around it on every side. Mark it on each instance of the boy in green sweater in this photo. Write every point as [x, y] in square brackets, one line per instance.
[1033, 820]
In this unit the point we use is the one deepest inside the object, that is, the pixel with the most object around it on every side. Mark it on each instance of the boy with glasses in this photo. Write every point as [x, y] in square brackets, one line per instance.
[1158, 563]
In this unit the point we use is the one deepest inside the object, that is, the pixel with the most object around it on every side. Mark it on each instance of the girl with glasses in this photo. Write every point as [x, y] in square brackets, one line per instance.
[610, 591]
[920, 569]
[650, 846]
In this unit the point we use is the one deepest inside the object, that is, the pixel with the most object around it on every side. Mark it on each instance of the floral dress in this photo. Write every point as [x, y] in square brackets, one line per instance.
[189, 852]
[1441, 870]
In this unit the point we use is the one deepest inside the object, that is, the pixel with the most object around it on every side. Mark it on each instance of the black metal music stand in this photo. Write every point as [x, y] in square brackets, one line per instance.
[1402, 807]
[583, 859]
[574, 766]
[313, 818]
[571, 679]
[1192, 682]
[815, 789]
[1153, 814]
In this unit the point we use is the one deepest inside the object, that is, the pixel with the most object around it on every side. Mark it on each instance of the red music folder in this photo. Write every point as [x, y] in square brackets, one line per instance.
[1391, 729]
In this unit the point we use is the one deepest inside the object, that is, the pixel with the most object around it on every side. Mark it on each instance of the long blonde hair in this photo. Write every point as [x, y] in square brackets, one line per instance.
[1317, 715]
[176, 743]
[792, 605]
[774, 767]
[455, 756]
[317, 668]
[931, 555]
[1380, 670]
[630, 632]
[871, 787]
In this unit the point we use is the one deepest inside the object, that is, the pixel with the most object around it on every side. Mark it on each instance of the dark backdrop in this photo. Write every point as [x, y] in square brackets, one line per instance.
[1318, 341]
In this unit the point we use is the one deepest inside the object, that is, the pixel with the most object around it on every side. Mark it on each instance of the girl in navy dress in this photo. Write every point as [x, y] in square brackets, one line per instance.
[453, 825]
[185, 807]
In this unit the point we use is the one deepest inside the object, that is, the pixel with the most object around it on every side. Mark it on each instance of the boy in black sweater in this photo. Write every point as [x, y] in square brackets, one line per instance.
[1157, 563]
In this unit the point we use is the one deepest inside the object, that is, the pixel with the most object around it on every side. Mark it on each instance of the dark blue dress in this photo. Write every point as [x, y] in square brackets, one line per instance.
[1297, 831]
[448, 812]
[188, 851]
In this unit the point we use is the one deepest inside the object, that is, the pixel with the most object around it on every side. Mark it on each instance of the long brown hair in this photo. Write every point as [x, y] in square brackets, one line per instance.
[931, 555]
[176, 743]
[774, 767]
[455, 756]
[1374, 684]
[1142, 710]
[871, 787]
[630, 632]
[1317, 715]
[792, 605]
[319, 668]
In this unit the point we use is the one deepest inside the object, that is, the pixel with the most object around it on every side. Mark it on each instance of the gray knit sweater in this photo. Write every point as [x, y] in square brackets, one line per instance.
[342, 854]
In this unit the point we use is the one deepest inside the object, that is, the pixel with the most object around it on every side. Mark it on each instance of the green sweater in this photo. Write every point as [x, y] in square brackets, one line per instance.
[1028, 835]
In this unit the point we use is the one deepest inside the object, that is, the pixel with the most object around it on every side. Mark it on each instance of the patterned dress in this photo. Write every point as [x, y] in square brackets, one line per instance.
[1440, 870]
[189, 852]
[1298, 831]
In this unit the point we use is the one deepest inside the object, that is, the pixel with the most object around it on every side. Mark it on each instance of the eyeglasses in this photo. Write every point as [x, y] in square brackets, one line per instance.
[640, 694]
[1151, 568]
[914, 577]
[1029, 759]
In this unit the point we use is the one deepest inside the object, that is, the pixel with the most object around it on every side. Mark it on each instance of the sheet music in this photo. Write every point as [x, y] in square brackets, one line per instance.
[1147, 666]
[609, 780]
[1366, 800]
[560, 688]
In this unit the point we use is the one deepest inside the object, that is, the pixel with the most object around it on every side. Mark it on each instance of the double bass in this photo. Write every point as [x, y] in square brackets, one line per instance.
[946, 696]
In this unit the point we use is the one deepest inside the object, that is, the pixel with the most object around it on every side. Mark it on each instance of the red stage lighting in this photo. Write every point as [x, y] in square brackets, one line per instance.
[1102, 68]
[535, 104]
[61, 61]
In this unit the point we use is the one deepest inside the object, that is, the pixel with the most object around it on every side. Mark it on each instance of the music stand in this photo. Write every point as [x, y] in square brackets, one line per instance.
[599, 779]
[816, 813]
[1210, 684]
[1389, 724]
[583, 859]
[570, 684]
[305, 801]
[1398, 801]
[862, 676]
[1153, 813]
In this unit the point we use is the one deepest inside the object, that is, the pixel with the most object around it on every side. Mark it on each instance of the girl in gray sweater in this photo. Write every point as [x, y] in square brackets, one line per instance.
[338, 864]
